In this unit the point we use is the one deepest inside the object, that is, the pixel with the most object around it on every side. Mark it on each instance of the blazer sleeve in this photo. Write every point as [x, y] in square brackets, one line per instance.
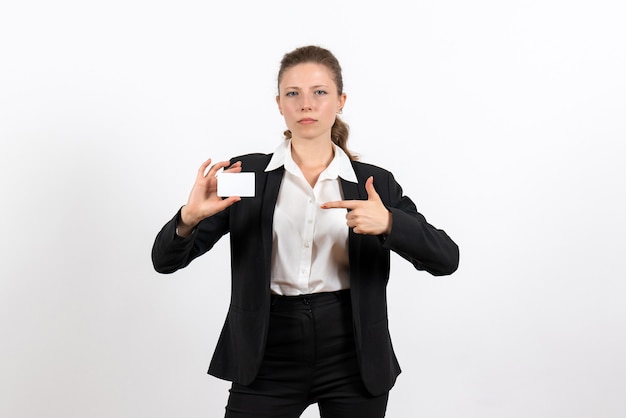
[171, 252]
[414, 239]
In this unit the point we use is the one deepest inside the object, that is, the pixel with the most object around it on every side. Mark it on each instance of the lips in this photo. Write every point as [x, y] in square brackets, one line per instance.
[306, 121]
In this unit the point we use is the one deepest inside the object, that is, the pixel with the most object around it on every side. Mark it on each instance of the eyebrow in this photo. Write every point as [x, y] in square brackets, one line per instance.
[312, 87]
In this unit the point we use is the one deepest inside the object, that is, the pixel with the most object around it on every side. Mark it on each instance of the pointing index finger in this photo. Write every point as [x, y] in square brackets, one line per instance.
[345, 204]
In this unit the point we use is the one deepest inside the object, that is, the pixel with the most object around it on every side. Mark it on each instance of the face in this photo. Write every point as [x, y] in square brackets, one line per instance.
[309, 101]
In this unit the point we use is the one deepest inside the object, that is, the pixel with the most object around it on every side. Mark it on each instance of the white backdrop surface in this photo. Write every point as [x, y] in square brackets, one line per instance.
[504, 121]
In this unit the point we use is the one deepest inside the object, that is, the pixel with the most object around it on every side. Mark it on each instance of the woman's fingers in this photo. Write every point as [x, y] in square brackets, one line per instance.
[205, 172]
[203, 167]
[234, 168]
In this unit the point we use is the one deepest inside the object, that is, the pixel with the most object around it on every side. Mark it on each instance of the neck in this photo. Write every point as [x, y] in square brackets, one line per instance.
[312, 154]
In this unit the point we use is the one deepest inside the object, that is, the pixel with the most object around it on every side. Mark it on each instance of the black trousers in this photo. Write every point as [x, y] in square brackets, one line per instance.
[310, 357]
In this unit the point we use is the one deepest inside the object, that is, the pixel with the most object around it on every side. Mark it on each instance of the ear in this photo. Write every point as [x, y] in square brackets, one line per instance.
[280, 109]
[342, 101]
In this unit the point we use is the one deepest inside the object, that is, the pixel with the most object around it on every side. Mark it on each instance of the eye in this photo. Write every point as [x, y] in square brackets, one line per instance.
[291, 94]
[320, 92]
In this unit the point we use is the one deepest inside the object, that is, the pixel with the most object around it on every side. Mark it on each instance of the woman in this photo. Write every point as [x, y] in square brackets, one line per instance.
[307, 322]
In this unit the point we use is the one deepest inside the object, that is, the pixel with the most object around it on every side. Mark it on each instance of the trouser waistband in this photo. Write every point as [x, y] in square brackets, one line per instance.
[299, 301]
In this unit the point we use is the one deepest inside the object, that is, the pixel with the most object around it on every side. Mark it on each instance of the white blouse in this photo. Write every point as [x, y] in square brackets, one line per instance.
[310, 244]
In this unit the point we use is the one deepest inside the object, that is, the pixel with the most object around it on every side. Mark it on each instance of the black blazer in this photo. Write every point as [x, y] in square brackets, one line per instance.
[240, 348]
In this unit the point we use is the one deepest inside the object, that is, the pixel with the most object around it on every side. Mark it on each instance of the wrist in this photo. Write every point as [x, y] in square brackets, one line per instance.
[185, 223]
[187, 220]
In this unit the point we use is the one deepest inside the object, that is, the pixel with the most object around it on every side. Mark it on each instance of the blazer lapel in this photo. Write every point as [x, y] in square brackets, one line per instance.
[268, 204]
[351, 192]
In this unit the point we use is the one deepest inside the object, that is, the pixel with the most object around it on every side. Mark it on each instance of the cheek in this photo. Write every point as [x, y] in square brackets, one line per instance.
[329, 108]
[289, 109]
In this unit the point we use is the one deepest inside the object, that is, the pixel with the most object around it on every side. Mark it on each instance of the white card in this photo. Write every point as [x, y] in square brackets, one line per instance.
[235, 184]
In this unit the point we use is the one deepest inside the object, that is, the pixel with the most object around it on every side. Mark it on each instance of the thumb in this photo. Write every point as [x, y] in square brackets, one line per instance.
[371, 191]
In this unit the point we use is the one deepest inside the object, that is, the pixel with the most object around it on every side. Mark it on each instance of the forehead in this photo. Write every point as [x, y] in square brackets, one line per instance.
[307, 74]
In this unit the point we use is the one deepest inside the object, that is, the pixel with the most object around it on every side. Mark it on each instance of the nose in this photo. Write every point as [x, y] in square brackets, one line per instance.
[305, 104]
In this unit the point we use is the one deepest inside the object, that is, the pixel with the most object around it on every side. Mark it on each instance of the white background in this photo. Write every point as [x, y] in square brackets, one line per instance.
[503, 120]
